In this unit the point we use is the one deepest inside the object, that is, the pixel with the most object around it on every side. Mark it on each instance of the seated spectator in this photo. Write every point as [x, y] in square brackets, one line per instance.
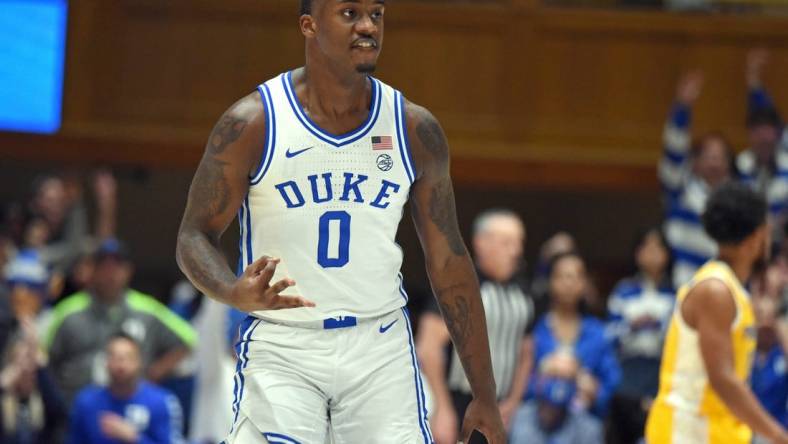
[564, 329]
[31, 409]
[498, 242]
[83, 323]
[128, 409]
[688, 176]
[549, 417]
[769, 378]
[559, 243]
[640, 309]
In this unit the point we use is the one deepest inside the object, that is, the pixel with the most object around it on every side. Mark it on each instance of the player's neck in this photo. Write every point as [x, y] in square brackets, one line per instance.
[741, 266]
[332, 93]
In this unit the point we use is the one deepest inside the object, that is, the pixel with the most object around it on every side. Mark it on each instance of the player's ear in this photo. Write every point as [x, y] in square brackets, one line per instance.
[307, 25]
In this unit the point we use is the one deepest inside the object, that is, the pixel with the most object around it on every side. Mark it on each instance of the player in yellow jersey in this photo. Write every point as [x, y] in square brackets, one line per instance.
[704, 397]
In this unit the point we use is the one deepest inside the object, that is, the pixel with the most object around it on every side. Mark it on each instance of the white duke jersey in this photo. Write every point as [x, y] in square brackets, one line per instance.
[329, 206]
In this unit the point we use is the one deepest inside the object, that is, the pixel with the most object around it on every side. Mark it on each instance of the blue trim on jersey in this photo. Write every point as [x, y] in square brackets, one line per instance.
[402, 287]
[270, 135]
[249, 256]
[320, 133]
[277, 438]
[402, 135]
[241, 262]
[246, 329]
[266, 113]
[420, 402]
[242, 330]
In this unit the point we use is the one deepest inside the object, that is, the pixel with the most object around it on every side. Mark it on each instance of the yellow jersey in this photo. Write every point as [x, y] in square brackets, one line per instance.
[687, 410]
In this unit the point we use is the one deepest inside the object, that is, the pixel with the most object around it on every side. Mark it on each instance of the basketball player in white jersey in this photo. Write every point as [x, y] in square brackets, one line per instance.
[318, 164]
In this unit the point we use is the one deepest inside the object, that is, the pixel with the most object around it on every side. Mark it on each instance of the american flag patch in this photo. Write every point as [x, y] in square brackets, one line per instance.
[382, 143]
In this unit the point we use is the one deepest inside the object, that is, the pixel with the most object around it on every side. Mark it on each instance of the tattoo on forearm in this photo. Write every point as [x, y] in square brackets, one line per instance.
[226, 131]
[211, 191]
[203, 263]
[210, 197]
[443, 213]
[457, 316]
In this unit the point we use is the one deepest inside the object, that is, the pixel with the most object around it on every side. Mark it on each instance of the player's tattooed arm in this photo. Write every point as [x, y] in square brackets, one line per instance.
[449, 266]
[216, 193]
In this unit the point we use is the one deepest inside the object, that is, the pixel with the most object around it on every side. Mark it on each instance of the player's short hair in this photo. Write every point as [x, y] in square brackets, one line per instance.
[306, 7]
[733, 212]
[764, 115]
[483, 219]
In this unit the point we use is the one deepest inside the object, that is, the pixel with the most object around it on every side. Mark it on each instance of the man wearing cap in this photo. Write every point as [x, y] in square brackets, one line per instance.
[84, 322]
[549, 418]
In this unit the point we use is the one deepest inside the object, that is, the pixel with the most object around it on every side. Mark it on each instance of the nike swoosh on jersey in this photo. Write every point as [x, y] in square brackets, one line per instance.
[384, 328]
[289, 154]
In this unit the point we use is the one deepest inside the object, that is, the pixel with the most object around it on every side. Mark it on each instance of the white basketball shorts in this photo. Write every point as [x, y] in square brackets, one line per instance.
[344, 381]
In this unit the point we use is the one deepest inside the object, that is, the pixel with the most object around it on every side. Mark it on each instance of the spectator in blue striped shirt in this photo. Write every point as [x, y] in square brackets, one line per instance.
[765, 163]
[688, 176]
[640, 308]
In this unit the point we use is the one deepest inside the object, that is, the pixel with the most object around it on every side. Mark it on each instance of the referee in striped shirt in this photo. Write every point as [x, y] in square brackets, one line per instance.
[498, 243]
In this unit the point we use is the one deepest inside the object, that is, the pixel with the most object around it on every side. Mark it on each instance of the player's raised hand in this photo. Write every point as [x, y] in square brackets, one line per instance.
[253, 290]
[689, 87]
[486, 418]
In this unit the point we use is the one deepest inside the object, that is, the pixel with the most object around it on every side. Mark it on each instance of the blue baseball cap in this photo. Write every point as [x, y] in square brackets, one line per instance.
[556, 391]
[28, 269]
[111, 248]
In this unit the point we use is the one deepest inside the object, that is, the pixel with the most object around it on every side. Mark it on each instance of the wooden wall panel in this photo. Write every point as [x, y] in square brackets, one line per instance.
[512, 82]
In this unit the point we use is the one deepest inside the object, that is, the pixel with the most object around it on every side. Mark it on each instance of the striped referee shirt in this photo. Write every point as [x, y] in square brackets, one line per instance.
[510, 312]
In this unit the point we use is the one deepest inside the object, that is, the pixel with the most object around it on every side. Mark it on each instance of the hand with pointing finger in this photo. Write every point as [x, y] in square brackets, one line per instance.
[253, 291]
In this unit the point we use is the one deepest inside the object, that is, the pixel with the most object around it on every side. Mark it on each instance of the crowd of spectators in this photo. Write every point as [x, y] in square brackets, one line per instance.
[88, 359]
[593, 366]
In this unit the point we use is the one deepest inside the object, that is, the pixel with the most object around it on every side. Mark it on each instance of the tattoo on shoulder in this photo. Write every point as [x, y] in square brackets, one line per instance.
[456, 314]
[226, 131]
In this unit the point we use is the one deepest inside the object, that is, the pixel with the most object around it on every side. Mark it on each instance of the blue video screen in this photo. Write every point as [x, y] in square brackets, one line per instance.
[32, 53]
